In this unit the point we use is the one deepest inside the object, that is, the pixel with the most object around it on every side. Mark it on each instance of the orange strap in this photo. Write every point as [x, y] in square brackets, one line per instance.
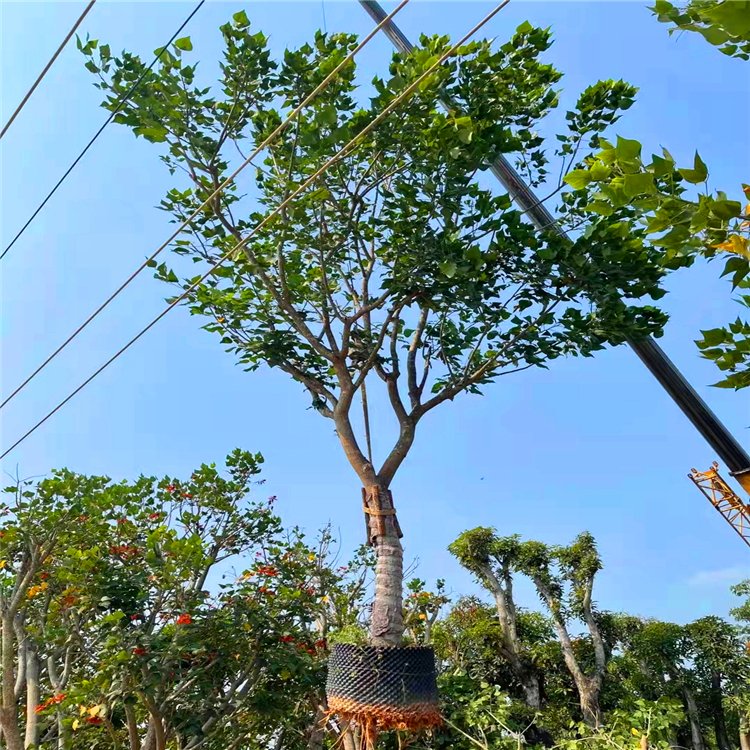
[379, 512]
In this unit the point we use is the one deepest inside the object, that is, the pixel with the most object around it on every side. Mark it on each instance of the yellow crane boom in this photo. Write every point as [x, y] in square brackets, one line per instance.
[724, 499]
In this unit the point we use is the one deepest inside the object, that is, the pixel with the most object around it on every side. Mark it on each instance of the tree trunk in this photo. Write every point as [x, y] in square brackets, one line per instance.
[9, 709]
[386, 623]
[588, 691]
[149, 741]
[531, 690]
[349, 740]
[133, 734]
[691, 708]
[744, 740]
[32, 698]
[383, 531]
[63, 733]
[317, 733]
[720, 725]
[501, 586]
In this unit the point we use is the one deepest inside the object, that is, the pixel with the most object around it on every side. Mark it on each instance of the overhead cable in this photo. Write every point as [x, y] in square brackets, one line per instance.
[120, 103]
[46, 68]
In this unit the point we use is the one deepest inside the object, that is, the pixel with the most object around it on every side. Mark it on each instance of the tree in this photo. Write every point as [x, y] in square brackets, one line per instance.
[722, 667]
[494, 561]
[741, 701]
[397, 265]
[564, 580]
[742, 612]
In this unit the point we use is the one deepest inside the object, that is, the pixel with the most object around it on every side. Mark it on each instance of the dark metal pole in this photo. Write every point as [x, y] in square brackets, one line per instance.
[661, 367]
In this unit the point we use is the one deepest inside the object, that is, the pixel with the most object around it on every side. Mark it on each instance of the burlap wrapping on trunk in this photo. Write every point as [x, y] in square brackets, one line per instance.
[383, 688]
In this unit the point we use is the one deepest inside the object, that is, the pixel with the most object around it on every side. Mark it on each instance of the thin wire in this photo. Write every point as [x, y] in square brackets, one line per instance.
[324, 84]
[323, 8]
[344, 151]
[112, 114]
[46, 68]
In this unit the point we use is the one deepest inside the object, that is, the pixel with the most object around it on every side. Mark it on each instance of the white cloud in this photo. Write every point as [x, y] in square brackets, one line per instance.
[723, 576]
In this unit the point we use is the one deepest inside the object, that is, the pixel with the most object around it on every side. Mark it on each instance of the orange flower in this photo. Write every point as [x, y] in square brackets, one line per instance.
[184, 619]
[52, 701]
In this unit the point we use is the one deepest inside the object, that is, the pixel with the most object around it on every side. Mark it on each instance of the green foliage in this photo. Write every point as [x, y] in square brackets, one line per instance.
[658, 197]
[661, 201]
[125, 596]
[654, 720]
[160, 595]
[742, 612]
[726, 24]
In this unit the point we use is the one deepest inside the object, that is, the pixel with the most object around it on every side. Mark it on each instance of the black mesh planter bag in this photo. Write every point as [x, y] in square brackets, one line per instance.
[383, 688]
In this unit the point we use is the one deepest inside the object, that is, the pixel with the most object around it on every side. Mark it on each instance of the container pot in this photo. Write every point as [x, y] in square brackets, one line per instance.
[383, 688]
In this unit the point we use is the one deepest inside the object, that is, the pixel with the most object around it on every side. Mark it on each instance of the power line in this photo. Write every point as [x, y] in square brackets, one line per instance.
[242, 243]
[123, 99]
[46, 68]
[279, 129]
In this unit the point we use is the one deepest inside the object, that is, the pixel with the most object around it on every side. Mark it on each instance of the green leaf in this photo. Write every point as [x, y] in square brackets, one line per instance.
[637, 184]
[578, 178]
[714, 35]
[155, 133]
[465, 135]
[599, 171]
[240, 19]
[608, 156]
[734, 16]
[448, 268]
[524, 28]
[726, 209]
[627, 150]
[699, 172]
[661, 167]
[599, 207]
[184, 44]
[713, 337]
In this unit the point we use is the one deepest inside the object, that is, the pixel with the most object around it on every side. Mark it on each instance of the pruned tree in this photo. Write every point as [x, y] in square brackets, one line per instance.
[493, 560]
[564, 580]
[396, 268]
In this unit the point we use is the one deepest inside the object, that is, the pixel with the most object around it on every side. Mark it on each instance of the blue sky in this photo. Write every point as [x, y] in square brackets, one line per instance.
[589, 444]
